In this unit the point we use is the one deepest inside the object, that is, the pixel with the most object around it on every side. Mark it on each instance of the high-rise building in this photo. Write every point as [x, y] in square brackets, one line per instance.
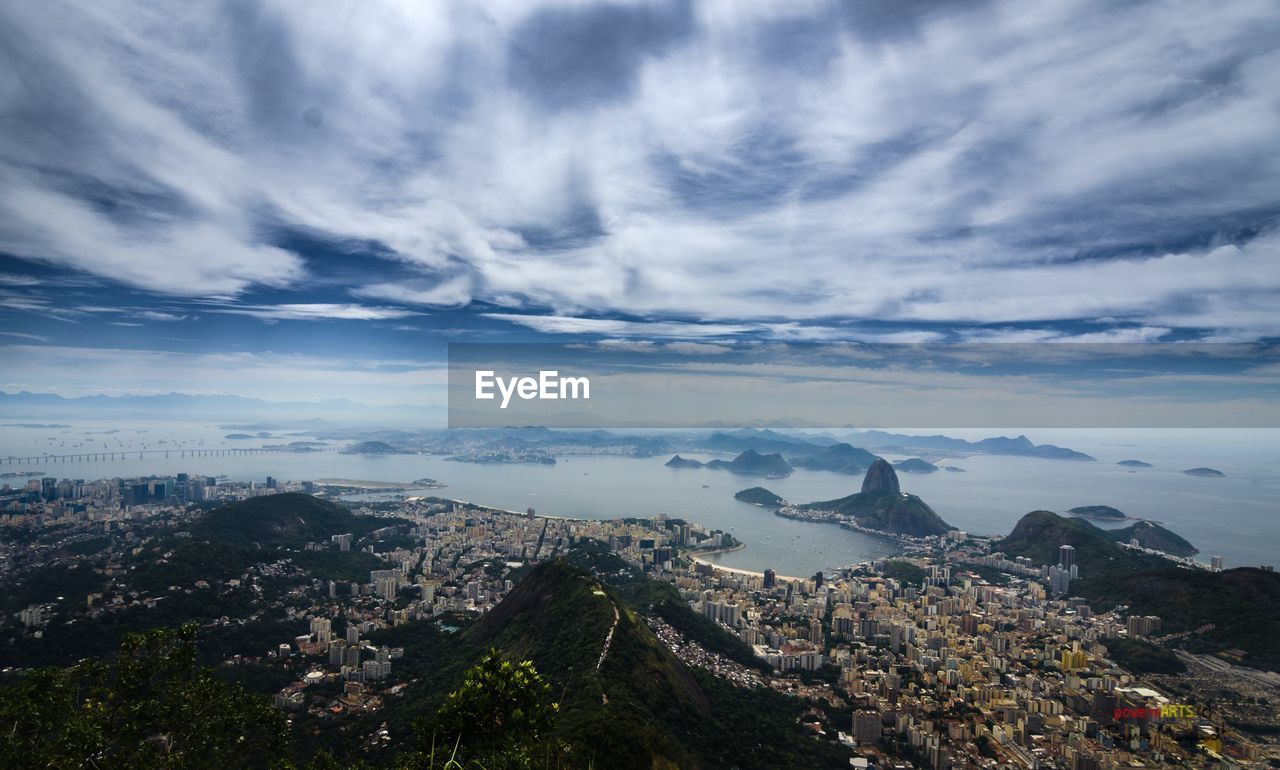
[1216, 563]
[1142, 625]
[320, 630]
[770, 579]
[1066, 557]
[337, 652]
[866, 727]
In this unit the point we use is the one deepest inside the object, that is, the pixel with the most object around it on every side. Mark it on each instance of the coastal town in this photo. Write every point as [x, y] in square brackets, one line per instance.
[949, 655]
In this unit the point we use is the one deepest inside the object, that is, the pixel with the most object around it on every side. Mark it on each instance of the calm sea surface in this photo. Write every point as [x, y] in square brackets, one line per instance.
[1237, 516]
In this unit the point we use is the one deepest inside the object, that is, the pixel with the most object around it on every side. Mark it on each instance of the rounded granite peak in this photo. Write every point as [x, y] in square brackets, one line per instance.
[881, 478]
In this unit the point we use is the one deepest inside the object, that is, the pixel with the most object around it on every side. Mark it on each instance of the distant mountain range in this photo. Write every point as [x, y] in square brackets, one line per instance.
[840, 458]
[749, 463]
[851, 453]
[798, 445]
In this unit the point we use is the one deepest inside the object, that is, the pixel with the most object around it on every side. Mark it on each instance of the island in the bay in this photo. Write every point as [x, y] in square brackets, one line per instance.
[748, 463]
[373, 448]
[1098, 512]
[880, 506]
[915, 465]
[759, 496]
[1209, 473]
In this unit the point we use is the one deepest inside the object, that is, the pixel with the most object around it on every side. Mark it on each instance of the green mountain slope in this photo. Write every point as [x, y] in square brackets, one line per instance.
[287, 520]
[1238, 609]
[639, 707]
[1038, 534]
[886, 512]
[759, 496]
[1152, 535]
[883, 507]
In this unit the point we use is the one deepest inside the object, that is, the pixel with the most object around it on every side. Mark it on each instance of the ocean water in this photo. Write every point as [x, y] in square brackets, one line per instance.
[1237, 517]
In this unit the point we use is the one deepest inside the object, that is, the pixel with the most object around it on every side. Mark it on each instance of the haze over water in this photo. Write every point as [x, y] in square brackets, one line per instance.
[1236, 516]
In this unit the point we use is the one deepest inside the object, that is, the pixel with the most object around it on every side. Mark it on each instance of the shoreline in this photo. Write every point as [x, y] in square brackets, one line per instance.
[697, 559]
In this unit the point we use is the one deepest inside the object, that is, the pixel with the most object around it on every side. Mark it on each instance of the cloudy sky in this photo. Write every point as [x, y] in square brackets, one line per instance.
[311, 199]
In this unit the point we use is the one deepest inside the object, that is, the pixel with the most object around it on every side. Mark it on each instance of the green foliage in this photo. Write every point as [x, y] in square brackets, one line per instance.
[190, 561]
[151, 707]
[348, 566]
[759, 496]
[1150, 535]
[1238, 608]
[502, 716]
[662, 599]
[1038, 535]
[286, 520]
[887, 512]
[1235, 609]
[989, 574]
[904, 571]
[46, 583]
[1143, 657]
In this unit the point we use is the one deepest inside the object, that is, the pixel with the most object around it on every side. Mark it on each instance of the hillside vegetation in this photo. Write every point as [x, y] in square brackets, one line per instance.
[1237, 609]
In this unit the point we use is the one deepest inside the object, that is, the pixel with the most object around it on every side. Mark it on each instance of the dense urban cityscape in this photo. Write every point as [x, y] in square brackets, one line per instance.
[949, 656]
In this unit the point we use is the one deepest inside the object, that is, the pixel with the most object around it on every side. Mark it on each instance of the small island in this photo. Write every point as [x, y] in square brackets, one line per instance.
[761, 497]
[1098, 512]
[1208, 473]
[682, 462]
[1134, 464]
[953, 469]
[372, 448]
[915, 465]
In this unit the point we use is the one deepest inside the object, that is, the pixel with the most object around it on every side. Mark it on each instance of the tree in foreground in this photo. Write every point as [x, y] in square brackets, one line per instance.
[502, 716]
[152, 706]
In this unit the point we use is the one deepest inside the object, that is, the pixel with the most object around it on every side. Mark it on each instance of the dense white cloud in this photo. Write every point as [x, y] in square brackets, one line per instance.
[763, 167]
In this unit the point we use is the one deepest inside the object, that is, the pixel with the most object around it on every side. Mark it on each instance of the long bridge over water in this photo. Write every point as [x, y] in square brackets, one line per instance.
[121, 454]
